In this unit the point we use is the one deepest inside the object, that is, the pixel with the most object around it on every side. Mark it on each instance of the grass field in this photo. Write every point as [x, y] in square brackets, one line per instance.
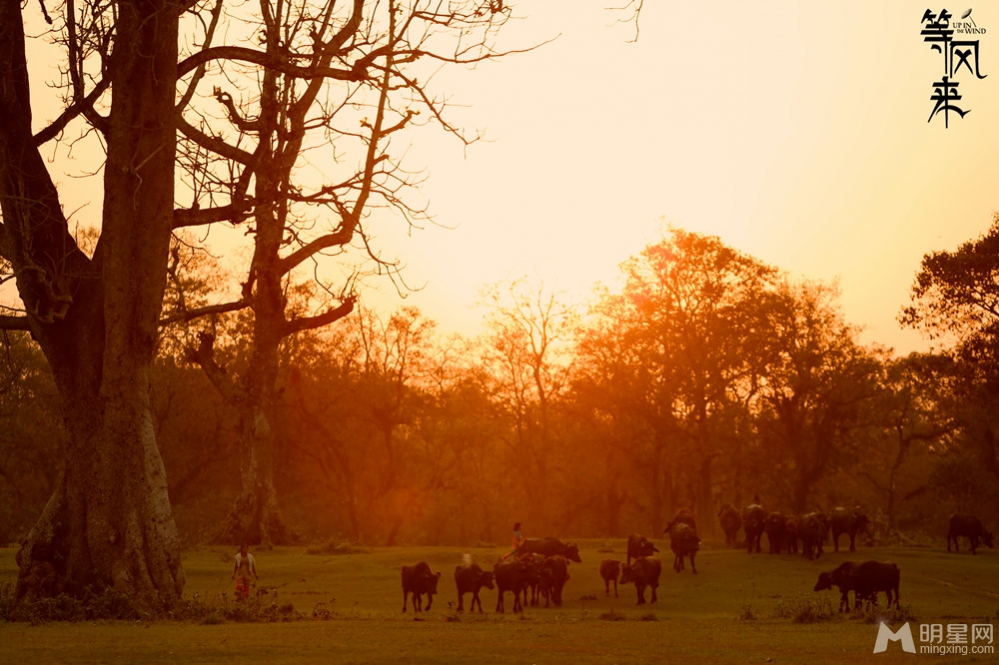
[738, 609]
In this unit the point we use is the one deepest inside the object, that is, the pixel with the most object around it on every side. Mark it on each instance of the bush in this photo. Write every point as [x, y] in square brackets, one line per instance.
[805, 610]
[337, 547]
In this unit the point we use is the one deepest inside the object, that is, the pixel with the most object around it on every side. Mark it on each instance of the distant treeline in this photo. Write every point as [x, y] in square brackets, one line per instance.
[708, 378]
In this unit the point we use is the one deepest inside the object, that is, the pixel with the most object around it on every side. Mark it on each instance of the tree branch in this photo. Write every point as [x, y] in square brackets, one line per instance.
[326, 318]
[269, 61]
[191, 314]
[84, 105]
[8, 322]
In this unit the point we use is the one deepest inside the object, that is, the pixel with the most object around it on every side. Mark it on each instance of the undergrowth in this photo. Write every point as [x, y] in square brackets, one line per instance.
[112, 605]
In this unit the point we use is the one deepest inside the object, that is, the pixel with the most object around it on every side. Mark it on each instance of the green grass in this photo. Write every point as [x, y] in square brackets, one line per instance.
[740, 608]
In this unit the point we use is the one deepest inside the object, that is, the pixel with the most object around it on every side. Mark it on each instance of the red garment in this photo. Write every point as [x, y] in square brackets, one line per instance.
[242, 588]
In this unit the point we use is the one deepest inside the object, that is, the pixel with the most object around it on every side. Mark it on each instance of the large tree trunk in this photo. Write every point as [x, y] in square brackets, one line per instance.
[109, 521]
[255, 517]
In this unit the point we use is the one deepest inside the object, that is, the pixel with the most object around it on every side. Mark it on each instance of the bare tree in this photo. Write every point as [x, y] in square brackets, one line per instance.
[301, 158]
[97, 317]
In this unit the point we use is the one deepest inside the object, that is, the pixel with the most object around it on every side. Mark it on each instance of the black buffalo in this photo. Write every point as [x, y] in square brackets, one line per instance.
[969, 527]
[774, 526]
[639, 546]
[513, 576]
[812, 530]
[419, 580]
[554, 574]
[731, 522]
[791, 535]
[753, 519]
[870, 577]
[684, 542]
[842, 578]
[550, 547]
[683, 516]
[610, 569]
[644, 572]
[850, 522]
[471, 579]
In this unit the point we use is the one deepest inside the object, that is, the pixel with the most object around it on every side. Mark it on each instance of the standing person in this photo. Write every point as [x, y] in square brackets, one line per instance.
[244, 572]
[518, 539]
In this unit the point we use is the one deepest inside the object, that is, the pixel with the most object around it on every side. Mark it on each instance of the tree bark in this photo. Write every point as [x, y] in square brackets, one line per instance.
[109, 523]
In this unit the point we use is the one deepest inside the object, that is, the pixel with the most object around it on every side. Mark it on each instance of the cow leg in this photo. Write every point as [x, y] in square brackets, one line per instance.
[499, 601]
[607, 586]
[654, 596]
[404, 594]
[615, 587]
[692, 566]
[430, 601]
[641, 593]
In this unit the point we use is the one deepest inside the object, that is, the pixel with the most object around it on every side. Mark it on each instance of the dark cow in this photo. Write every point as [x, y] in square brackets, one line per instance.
[684, 542]
[850, 522]
[610, 569]
[419, 580]
[731, 522]
[753, 519]
[870, 577]
[791, 534]
[683, 516]
[639, 546]
[841, 577]
[774, 528]
[534, 577]
[550, 547]
[969, 527]
[644, 572]
[812, 531]
[471, 579]
[513, 576]
[554, 575]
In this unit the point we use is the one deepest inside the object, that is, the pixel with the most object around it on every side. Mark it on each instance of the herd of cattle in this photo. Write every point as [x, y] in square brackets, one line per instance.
[540, 567]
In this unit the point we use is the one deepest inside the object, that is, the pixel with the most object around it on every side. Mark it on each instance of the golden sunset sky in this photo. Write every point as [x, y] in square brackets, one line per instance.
[796, 131]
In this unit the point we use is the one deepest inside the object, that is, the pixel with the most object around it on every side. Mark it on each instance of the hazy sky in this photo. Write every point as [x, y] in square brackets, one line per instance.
[796, 131]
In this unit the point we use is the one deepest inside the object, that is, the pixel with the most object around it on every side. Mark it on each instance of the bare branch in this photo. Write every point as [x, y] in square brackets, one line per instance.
[268, 61]
[329, 316]
[14, 323]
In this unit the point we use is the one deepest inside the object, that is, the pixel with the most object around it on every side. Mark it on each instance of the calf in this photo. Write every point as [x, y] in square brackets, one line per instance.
[610, 569]
[419, 580]
[684, 542]
[513, 576]
[471, 579]
[550, 547]
[969, 527]
[841, 577]
[639, 546]
[644, 572]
